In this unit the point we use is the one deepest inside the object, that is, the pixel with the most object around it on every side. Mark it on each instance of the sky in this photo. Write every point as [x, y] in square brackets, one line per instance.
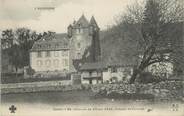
[25, 13]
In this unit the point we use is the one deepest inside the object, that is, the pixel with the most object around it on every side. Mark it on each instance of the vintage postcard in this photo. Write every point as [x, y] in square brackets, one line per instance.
[92, 57]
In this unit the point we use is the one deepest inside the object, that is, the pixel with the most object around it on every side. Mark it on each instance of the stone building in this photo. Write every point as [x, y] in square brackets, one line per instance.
[84, 41]
[66, 52]
[107, 72]
[51, 53]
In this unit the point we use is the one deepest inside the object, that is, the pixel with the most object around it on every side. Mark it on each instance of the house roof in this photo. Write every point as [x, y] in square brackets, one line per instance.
[103, 65]
[52, 42]
[93, 66]
[122, 62]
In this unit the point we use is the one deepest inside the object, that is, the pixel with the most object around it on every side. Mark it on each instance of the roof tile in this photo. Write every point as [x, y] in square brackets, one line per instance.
[52, 42]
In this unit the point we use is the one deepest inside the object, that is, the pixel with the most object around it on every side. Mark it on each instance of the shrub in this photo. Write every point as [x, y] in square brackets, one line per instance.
[147, 77]
[30, 71]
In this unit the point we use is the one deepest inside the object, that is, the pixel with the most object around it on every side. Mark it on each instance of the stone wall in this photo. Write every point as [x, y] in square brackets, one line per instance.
[170, 90]
[38, 86]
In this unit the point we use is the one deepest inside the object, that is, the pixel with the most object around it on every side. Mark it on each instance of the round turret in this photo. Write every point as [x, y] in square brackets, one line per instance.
[70, 31]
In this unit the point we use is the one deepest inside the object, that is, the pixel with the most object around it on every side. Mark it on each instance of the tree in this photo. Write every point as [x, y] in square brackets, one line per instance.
[17, 44]
[15, 56]
[153, 27]
[7, 38]
[25, 38]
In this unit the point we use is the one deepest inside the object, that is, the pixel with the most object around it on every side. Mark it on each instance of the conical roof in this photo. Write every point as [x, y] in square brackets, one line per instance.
[93, 22]
[82, 22]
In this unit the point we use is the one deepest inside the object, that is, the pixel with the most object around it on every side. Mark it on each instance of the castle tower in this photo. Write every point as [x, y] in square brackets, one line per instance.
[84, 41]
[94, 32]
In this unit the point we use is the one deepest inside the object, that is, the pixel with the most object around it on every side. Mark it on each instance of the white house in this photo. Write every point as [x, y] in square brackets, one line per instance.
[92, 73]
[50, 54]
[101, 72]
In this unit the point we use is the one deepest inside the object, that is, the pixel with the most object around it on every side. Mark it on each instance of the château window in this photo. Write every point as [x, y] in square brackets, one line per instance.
[65, 53]
[48, 62]
[80, 30]
[39, 54]
[56, 63]
[39, 63]
[114, 70]
[56, 53]
[65, 62]
[77, 31]
[47, 54]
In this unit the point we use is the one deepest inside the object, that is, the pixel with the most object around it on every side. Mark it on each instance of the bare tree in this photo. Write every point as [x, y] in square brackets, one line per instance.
[156, 28]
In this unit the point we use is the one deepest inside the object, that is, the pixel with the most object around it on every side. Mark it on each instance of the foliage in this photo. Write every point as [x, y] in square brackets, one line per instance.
[30, 71]
[17, 44]
[15, 56]
[7, 38]
[147, 77]
[153, 29]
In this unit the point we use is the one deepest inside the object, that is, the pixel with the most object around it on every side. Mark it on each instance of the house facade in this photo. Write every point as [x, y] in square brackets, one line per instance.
[66, 52]
[115, 73]
[92, 73]
[50, 54]
[100, 72]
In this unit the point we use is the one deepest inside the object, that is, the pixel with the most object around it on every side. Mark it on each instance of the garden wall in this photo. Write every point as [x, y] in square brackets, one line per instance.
[38, 86]
[157, 91]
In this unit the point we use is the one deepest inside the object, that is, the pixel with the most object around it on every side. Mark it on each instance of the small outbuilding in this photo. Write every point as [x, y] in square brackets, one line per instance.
[102, 72]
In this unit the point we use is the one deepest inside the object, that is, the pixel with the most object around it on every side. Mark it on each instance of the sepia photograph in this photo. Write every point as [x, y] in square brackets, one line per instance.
[92, 57]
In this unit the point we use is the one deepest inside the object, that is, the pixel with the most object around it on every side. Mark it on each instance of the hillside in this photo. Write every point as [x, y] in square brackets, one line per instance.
[115, 48]
[121, 43]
